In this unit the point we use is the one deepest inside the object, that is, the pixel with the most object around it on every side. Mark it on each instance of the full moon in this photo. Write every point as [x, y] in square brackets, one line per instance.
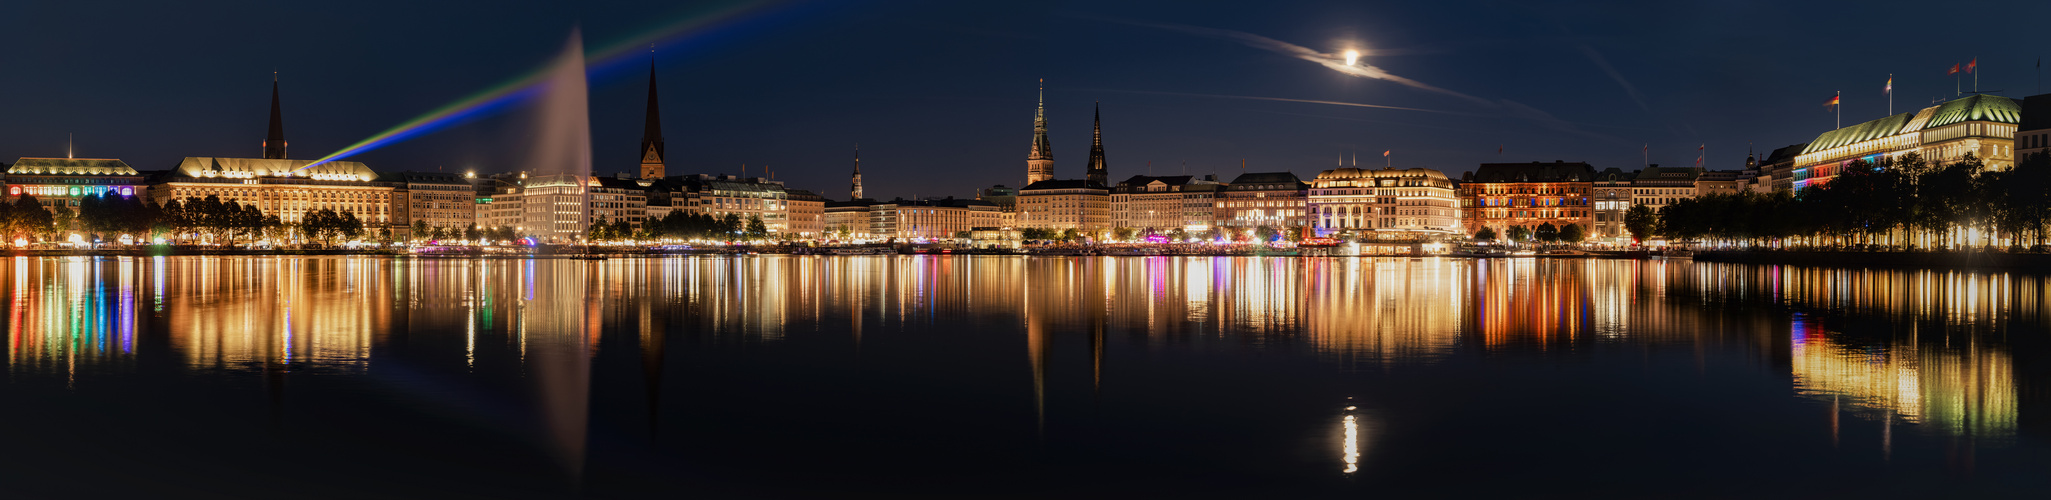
[1352, 56]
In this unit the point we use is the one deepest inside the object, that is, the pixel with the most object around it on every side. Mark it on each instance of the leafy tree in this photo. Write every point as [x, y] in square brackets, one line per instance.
[1519, 233]
[420, 229]
[1485, 234]
[1546, 233]
[756, 229]
[1641, 222]
[1573, 233]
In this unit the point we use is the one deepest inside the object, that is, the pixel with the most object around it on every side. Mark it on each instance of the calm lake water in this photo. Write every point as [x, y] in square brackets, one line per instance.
[356, 377]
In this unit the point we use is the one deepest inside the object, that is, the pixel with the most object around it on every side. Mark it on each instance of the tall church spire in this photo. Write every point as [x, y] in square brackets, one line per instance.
[274, 144]
[1040, 163]
[857, 188]
[652, 165]
[1097, 173]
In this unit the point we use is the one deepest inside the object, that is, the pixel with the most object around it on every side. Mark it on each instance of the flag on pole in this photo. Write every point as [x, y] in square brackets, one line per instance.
[1974, 64]
[1699, 151]
[1954, 70]
[1386, 153]
[1890, 85]
[1832, 103]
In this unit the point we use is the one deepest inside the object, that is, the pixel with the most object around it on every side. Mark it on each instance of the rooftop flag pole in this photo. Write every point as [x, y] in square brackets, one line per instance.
[1954, 80]
[1890, 94]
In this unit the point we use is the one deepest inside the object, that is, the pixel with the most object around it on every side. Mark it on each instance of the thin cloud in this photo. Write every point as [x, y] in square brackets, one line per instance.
[1283, 99]
[1336, 62]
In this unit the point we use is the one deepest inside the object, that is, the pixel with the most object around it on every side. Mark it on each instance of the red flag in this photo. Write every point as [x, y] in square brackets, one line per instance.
[1954, 70]
[1385, 154]
[1974, 64]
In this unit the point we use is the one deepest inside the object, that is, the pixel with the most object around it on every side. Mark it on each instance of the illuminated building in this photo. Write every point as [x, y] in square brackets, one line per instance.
[1611, 197]
[1504, 195]
[1006, 200]
[618, 199]
[1064, 204]
[1981, 125]
[1040, 161]
[846, 220]
[1388, 203]
[747, 198]
[855, 184]
[552, 208]
[499, 202]
[440, 199]
[1274, 199]
[55, 181]
[1165, 203]
[286, 188]
[1658, 186]
[1779, 167]
[807, 213]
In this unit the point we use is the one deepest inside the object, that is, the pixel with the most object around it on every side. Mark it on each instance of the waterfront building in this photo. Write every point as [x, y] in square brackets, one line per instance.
[280, 186]
[1610, 196]
[552, 208]
[498, 201]
[1388, 204]
[1274, 199]
[2033, 135]
[1656, 186]
[62, 181]
[1064, 204]
[1006, 200]
[439, 199]
[1504, 195]
[1981, 125]
[1161, 204]
[1778, 168]
[848, 220]
[1040, 160]
[616, 199]
[931, 219]
[807, 213]
[746, 197]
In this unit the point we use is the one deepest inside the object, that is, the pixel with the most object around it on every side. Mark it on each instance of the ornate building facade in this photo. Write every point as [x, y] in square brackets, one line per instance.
[1981, 125]
[1499, 196]
[1389, 204]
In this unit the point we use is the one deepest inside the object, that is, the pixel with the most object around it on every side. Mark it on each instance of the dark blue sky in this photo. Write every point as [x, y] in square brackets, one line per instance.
[940, 94]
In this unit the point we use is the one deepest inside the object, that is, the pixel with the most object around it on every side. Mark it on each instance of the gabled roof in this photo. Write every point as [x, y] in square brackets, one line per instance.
[70, 166]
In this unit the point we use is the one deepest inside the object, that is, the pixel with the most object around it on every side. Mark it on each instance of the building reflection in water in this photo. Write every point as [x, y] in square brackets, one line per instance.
[1942, 368]
[69, 314]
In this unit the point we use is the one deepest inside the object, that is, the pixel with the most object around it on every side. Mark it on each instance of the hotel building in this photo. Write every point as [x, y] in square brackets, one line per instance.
[1275, 199]
[62, 181]
[1504, 195]
[1165, 203]
[1415, 203]
[1981, 125]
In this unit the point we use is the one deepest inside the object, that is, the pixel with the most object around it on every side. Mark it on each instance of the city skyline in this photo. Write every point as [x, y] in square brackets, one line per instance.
[900, 107]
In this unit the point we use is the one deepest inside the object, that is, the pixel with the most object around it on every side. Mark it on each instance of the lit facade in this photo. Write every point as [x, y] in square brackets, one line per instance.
[440, 199]
[1504, 195]
[1981, 125]
[1165, 203]
[289, 189]
[1274, 199]
[1388, 203]
[62, 181]
[1064, 204]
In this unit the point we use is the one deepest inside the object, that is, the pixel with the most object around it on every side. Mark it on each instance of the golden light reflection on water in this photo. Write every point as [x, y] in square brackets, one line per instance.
[1944, 368]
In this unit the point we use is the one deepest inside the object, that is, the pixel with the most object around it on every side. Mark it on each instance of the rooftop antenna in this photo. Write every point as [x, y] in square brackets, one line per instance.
[68, 152]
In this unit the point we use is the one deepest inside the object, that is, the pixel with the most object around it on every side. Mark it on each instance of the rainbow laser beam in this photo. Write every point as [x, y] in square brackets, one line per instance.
[501, 96]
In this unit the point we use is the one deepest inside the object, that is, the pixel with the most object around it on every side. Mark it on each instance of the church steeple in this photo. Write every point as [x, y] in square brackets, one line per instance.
[652, 165]
[1040, 162]
[1097, 173]
[856, 190]
[274, 143]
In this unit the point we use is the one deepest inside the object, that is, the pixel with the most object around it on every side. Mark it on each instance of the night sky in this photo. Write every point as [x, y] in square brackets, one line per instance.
[940, 94]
